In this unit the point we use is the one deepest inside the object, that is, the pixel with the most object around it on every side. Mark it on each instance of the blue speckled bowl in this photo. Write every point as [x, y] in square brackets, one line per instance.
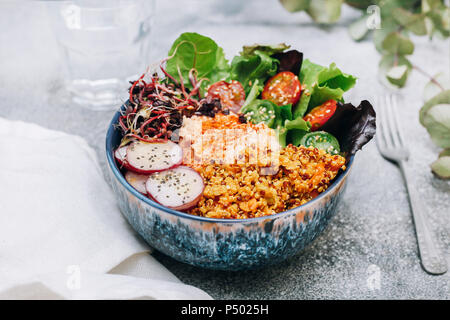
[225, 244]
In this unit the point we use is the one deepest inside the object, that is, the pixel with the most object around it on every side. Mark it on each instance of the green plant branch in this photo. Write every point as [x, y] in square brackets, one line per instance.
[427, 75]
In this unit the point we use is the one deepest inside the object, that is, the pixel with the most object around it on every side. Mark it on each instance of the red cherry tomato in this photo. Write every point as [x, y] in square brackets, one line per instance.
[319, 115]
[231, 95]
[283, 88]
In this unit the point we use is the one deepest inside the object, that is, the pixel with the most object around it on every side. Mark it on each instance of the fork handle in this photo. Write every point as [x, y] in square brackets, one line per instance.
[432, 257]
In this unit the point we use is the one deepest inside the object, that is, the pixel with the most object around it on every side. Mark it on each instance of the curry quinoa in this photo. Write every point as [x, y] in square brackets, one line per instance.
[239, 191]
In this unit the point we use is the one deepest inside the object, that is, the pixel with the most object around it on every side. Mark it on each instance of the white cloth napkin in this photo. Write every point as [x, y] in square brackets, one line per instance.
[62, 235]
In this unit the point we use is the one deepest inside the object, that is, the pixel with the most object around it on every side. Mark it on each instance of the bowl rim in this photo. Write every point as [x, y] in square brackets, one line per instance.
[119, 176]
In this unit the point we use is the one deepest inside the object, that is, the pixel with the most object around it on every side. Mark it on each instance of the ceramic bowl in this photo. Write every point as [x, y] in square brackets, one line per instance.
[223, 244]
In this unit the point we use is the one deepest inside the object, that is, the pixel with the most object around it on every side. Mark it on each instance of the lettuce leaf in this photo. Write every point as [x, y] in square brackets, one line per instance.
[192, 50]
[253, 94]
[267, 49]
[251, 67]
[289, 129]
[332, 83]
[308, 78]
[320, 84]
[297, 128]
[259, 62]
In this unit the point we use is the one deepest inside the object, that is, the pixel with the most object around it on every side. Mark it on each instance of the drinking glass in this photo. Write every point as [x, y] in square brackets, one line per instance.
[105, 44]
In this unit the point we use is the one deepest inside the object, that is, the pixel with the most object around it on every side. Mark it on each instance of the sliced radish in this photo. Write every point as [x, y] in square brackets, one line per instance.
[137, 181]
[120, 154]
[144, 157]
[180, 188]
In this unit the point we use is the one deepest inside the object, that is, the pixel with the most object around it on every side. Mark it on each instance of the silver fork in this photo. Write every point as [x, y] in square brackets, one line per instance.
[391, 145]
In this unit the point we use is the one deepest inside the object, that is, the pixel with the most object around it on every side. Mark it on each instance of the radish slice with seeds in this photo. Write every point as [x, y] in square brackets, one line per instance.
[180, 188]
[144, 157]
[121, 156]
[137, 181]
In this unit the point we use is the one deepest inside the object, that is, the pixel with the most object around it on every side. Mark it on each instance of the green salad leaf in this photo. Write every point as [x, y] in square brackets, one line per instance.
[288, 128]
[194, 51]
[251, 66]
[320, 84]
[285, 113]
[255, 90]
[308, 78]
[267, 49]
[297, 128]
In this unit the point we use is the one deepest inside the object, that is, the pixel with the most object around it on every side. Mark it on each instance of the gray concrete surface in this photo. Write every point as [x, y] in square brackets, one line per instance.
[369, 249]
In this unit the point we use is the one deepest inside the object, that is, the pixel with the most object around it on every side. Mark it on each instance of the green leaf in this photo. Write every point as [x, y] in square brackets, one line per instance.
[390, 61]
[438, 17]
[437, 123]
[432, 88]
[440, 21]
[308, 78]
[358, 29]
[297, 128]
[441, 98]
[297, 123]
[413, 22]
[267, 49]
[387, 7]
[444, 153]
[256, 66]
[282, 135]
[254, 92]
[295, 136]
[388, 25]
[332, 83]
[192, 50]
[323, 94]
[325, 11]
[321, 84]
[446, 19]
[285, 112]
[334, 78]
[441, 167]
[397, 75]
[360, 4]
[295, 5]
[428, 5]
[397, 43]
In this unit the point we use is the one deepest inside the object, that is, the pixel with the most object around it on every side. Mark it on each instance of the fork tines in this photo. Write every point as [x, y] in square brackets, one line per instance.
[389, 134]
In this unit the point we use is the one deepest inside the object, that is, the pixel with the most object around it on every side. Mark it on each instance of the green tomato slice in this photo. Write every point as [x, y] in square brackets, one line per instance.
[321, 140]
[260, 111]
